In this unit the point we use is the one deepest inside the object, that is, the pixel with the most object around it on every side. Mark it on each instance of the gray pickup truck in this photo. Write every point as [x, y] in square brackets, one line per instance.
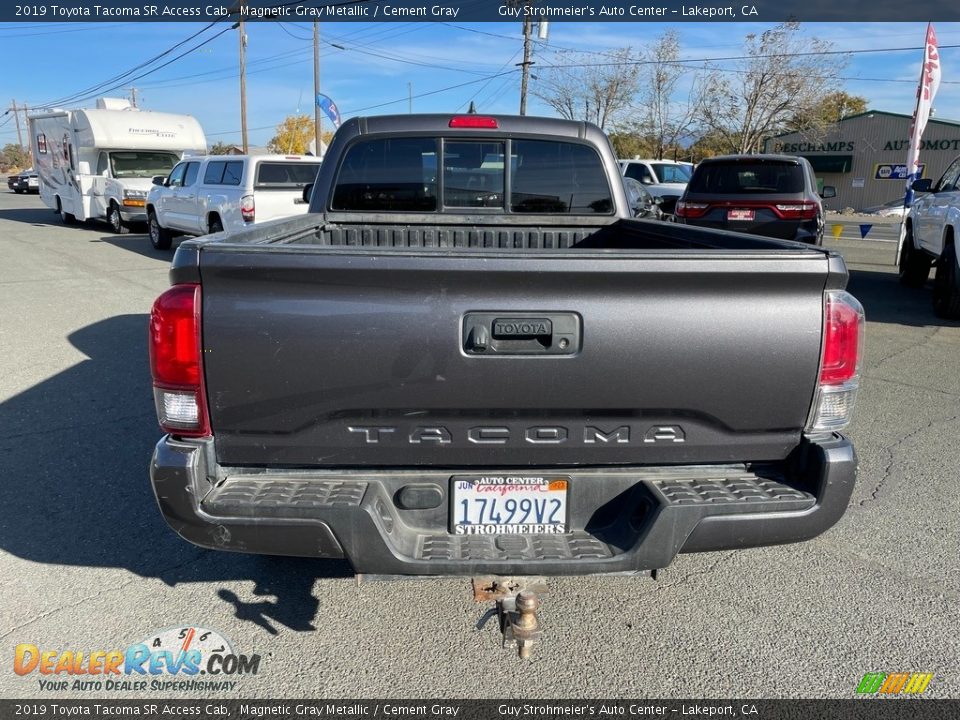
[469, 359]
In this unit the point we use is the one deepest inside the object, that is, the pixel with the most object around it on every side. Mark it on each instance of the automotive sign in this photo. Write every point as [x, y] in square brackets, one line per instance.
[894, 171]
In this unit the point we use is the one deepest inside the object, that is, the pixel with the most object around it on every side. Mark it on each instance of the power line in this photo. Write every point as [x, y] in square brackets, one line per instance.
[426, 94]
[484, 87]
[811, 53]
[100, 90]
[97, 88]
[305, 52]
[232, 73]
[384, 104]
[739, 71]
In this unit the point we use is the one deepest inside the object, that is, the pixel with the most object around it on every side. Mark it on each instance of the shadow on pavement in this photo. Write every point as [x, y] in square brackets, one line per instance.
[139, 243]
[41, 215]
[74, 455]
[885, 300]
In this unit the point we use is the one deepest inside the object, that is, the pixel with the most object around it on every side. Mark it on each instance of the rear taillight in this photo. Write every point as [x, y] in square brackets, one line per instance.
[474, 121]
[685, 208]
[176, 362]
[842, 351]
[247, 208]
[802, 210]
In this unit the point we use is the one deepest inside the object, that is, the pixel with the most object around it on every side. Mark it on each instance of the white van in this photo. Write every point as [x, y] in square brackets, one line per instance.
[98, 163]
[227, 193]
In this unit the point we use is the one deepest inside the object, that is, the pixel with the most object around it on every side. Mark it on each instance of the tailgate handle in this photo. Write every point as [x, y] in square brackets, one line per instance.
[487, 333]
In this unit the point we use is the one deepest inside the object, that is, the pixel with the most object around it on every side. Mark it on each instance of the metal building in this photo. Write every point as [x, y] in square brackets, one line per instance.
[864, 156]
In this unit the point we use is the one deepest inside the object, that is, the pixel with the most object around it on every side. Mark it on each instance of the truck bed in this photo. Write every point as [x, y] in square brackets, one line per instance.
[482, 235]
[693, 347]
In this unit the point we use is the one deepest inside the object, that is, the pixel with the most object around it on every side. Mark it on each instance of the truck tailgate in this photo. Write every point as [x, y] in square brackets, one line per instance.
[319, 356]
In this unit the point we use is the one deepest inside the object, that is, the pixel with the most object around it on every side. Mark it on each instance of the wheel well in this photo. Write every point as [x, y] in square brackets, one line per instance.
[948, 237]
[150, 209]
[211, 217]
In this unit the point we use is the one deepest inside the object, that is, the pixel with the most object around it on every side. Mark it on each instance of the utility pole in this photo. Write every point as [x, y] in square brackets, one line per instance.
[16, 118]
[243, 80]
[525, 65]
[26, 122]
[410, 97]
[133, 96]
[317, 116]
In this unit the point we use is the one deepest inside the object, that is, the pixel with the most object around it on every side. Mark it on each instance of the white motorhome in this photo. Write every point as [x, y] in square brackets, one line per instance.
[99, 163]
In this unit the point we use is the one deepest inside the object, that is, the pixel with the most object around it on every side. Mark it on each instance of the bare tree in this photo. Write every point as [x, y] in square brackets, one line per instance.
[579, 88]
[666, 110]
[783, 76]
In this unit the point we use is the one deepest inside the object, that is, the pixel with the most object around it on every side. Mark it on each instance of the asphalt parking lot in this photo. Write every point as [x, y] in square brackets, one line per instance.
[87, 563]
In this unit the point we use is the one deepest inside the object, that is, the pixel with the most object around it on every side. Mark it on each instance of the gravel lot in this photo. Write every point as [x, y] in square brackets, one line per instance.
[87, 563]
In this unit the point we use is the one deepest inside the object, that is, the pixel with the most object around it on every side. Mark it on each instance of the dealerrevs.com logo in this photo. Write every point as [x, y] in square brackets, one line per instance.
[179, 658]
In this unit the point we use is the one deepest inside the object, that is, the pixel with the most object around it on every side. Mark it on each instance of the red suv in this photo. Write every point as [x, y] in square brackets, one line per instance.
[771, 195]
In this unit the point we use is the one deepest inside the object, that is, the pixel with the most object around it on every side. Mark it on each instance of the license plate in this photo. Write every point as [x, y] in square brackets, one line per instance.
[741, 214]
[508, 504]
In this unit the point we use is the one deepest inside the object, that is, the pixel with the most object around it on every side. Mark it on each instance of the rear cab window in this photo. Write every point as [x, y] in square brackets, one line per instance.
[285, 175]
[402, 174]
[744, 177]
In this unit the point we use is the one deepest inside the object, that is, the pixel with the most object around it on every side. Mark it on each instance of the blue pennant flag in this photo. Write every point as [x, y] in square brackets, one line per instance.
[329, 108]
[864, 229]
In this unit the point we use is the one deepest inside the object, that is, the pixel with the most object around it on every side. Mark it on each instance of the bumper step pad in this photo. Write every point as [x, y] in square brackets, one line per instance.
[280, 497]
[575, 546]
[767, 494]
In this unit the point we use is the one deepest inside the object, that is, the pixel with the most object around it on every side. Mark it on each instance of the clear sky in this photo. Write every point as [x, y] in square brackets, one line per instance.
[370, 74]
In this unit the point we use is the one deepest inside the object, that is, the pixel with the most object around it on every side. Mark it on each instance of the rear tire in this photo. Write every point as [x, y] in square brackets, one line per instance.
[914, 264]
[65, 217]
[946, 286]
[160, 238]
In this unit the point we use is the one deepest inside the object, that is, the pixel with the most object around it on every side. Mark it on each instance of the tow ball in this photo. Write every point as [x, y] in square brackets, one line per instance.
[517, 602]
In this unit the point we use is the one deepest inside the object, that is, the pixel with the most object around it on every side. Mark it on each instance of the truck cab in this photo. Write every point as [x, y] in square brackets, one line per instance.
[930, 232]
[226, 193]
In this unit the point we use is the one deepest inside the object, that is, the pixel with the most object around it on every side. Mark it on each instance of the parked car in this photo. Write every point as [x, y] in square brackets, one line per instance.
[771, 195]
[459, 366]
[640, 201]
[665, 179]
[931, 228]
[227, 193]
[24, 182]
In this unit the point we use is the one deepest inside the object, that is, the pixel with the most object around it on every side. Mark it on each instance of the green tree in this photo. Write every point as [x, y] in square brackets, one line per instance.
[707, 145]
[220, 148]
[293, 135]
[831, 109]
[15, 156]
[629, 144]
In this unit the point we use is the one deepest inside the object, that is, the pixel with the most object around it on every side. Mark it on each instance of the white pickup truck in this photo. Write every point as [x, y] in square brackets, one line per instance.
[220, 193]
[930, 240]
